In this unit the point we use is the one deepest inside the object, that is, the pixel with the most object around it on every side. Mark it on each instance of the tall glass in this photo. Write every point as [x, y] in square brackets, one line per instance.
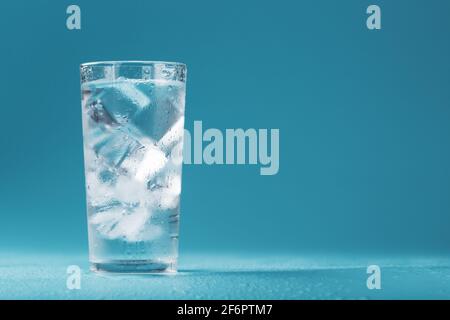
[133, 125]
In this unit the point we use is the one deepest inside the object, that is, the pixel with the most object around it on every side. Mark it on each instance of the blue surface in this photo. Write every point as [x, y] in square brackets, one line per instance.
[231, 277]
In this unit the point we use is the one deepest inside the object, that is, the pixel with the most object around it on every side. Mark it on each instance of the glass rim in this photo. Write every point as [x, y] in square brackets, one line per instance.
[137, 63]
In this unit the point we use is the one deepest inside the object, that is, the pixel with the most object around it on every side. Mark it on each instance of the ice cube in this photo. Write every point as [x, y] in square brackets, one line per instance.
[105, 222]
[120, 223]
[174, 183]
[129, 190]
[166, 189]
[162, 113]
[153, 161]
[113, 146]
[98, 192]
[99, 114]
[106, 206]
[173, 136]
[120, 99]
[168, 200]
[90, 157]
[176, 154]
[130, 90]
[129, 225]
[167, 114]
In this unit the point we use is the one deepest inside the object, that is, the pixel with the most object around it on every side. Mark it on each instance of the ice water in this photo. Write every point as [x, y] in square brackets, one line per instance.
[133, 138]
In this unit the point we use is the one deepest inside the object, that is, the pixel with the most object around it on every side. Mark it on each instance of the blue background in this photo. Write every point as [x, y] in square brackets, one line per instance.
[364, 119]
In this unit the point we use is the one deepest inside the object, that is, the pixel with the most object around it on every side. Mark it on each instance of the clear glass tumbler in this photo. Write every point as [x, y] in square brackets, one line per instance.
[133, 126]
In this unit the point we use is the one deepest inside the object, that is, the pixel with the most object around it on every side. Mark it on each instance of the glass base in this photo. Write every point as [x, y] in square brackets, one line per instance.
[134, 266]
